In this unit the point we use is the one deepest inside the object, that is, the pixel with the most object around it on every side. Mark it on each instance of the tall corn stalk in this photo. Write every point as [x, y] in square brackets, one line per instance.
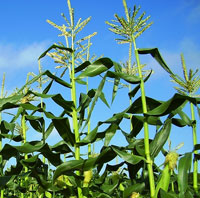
[130, 28]
[69, 61]
[189, 85]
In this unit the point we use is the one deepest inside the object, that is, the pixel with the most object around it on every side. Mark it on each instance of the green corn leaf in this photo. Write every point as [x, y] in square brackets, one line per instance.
[160, 139]
[128, 78]
[97, 95]
[50, 75]
[179, 122]
[82, 66]
[5, 127]
[137, 126]
[66, 105]
[36, 122]
[127, 157]
[84, 101]
[55, 46]
[47, 88]
[103, 99]
[183, 168]
[137, 123]
[156, 54]
[136, 106]
[58, 80]
[134, 188]
[61, 147]
[10, 102]
[110, 132]
[73, 165]
[117, 68]
[135, 90]
[63, 128]
[16, 138]
[53, 158]
[164, 194]
[171, 105]
[5, 179]
[48, 130]
[9, 151]
[99, 66]
[110, 188]
[14, 170]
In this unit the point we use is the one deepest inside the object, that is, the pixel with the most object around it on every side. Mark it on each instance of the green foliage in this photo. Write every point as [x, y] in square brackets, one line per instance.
[64, 168]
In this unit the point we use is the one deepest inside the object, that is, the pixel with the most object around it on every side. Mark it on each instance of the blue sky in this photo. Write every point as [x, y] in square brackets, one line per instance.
[25, 34]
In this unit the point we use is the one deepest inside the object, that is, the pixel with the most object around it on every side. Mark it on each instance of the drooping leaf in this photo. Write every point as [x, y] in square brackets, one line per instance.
[82, 66]
[36, 122]
[54, 46]
[66, 105]
[136, 106]
[10, 102]
[127, 77]
[135, 90]
[156, 54]
[64, 129]
[171, 105]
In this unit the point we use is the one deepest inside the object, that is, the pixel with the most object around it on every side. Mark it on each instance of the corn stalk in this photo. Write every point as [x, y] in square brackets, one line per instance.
[129, 29]
[189, 85]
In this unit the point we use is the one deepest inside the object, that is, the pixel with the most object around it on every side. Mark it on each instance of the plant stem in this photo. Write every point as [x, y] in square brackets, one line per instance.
[129, 70]
[88, 109]
[146, 129]
[195, 162]
[23, 125]
[74, 112]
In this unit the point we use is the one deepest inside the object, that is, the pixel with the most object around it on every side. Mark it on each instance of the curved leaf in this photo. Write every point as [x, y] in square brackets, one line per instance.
[130, 158]
[99, 66]
[128, 78]
[63, 127]
[55, 46]
[156, 54]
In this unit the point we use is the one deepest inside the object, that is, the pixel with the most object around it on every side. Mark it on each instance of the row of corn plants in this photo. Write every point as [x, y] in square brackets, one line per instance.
[65, 102]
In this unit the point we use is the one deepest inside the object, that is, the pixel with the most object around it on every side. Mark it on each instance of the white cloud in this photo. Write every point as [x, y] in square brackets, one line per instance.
[15, 57]
[194, 15]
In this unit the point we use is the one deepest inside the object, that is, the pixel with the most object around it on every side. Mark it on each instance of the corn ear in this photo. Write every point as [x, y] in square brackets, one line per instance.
[170, 165]
[87, 177]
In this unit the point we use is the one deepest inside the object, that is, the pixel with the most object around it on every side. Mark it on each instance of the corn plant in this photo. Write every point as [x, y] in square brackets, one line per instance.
[131, 28]
[188, 87]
